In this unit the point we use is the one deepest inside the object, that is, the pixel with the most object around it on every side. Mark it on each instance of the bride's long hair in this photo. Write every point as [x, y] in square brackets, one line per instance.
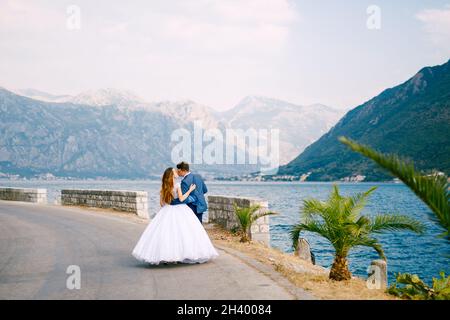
[167, 186]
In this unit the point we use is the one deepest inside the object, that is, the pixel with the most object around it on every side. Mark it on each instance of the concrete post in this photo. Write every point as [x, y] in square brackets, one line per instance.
[304, 250]
[377, 275]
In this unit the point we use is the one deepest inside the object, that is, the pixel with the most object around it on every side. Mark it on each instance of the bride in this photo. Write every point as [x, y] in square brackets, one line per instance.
[175, 234]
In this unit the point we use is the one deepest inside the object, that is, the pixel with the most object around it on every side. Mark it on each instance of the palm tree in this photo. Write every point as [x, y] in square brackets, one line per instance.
[339, 220]
[247, 216]
[432, 189]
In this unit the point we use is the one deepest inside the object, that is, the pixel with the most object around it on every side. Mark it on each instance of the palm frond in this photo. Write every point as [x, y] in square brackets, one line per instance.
[359, 201]
[389, 222]
[432, 190]
[313, 207]
[372, 243]
[246, 216]
[262, 214]
[356, 229]
[295, 234]
[311, 226]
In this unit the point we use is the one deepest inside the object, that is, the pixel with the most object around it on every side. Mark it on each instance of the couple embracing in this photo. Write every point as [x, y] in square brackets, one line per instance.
[176, 233]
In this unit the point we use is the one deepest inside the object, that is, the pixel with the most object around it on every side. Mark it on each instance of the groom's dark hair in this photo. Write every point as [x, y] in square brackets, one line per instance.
[183, 166]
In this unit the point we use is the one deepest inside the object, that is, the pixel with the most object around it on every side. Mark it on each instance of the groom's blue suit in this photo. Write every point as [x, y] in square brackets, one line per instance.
[196, 200]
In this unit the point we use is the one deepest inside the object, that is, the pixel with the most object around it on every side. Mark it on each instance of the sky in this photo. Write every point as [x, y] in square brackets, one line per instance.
[216, 52]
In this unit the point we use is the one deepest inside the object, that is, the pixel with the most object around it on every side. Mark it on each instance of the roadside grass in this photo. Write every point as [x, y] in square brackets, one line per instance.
[302, 274]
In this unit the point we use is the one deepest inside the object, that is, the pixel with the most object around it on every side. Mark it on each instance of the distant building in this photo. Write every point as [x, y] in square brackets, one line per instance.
[304, 176]
[436, 173]
[45, 176]
[9, 176]
[357, 178]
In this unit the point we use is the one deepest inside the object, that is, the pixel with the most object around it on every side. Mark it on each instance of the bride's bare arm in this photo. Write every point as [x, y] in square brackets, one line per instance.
[182, 196]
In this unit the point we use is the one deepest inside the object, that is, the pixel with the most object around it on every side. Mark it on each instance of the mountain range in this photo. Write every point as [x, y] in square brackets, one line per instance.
[299, 125]
[68, 139]
[411, 119]
[114, 133]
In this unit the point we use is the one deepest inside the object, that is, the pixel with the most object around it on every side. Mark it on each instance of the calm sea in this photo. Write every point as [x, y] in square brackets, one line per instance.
[425, 255]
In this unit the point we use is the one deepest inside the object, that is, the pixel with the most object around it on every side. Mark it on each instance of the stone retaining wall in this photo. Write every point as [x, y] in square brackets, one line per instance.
[121, 200]
[24, 194]
[221, 211]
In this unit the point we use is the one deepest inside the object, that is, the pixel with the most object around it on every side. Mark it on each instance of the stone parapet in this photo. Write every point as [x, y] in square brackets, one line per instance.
[121, 200]
[23, 194]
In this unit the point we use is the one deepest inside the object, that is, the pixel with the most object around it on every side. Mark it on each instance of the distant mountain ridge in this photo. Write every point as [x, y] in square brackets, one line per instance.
[100, 97]
[114, 133]
[105, 97]
[299, 125]
[67, 139]
[43, 96]
[412, 119]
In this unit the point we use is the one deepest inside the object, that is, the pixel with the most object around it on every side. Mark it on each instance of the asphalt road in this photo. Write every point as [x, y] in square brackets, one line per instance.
[39, 242]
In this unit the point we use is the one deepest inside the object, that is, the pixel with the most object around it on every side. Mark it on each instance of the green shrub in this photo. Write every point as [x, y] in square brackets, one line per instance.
[246, 216]
[412, 288]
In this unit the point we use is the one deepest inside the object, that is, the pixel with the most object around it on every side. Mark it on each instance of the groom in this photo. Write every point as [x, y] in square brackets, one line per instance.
[196, 201]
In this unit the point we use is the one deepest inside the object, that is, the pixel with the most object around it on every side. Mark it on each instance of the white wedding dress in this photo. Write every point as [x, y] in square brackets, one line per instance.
[174, 235]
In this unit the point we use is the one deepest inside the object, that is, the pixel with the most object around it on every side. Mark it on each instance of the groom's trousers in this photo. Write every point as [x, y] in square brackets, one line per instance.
[194, 208]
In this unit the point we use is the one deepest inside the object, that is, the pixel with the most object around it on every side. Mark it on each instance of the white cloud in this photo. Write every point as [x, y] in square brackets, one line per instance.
[20, 15]
[437, 25]
[214, 51]
[212, 26]
[256, 11]
[115, 29]
[225, 37]
[247, 25]
[201, 25]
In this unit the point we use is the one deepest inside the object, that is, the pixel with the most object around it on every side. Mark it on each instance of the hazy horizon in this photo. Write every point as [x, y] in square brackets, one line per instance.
[20, 91]
[218, 52]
